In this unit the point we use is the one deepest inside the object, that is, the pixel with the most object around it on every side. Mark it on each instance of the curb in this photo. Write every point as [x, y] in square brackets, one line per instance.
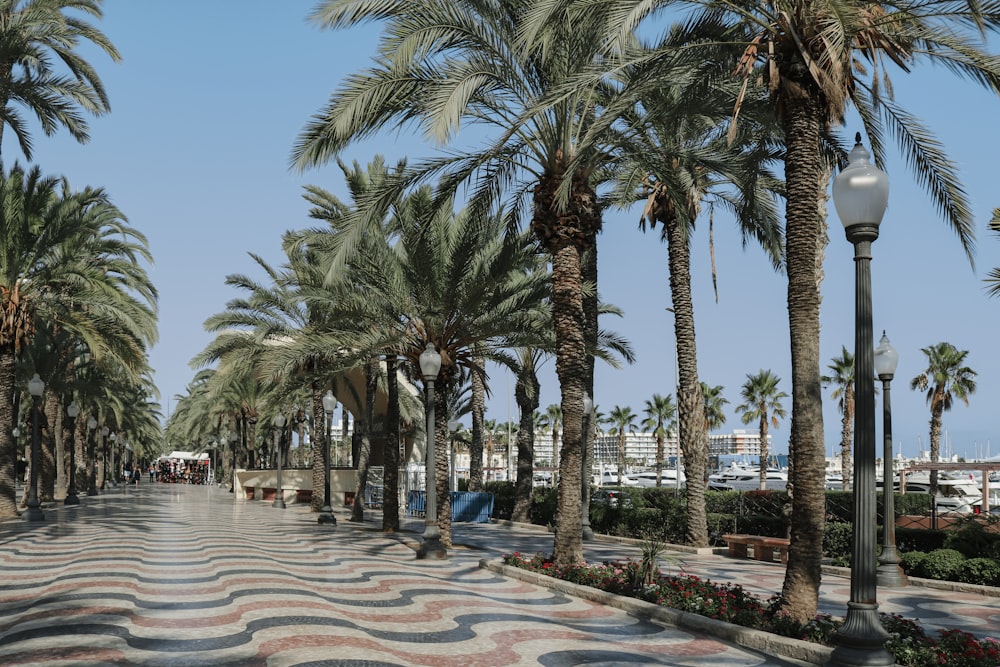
[764, 642]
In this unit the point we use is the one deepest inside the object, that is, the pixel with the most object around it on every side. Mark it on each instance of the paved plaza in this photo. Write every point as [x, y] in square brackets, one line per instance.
[178, 575]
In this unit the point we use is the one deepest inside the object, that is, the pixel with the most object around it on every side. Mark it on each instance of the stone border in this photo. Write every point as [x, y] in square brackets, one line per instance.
[757, 640]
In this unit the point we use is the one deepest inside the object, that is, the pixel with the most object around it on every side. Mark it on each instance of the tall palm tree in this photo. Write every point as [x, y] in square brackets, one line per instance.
[762, 403]
[842, 378]
[622, 421]
[815, 59]
[435, 79]
[660, 418]
[945, 379]
[39, 37]
[69, 264]
[993, 278]
[715, 402]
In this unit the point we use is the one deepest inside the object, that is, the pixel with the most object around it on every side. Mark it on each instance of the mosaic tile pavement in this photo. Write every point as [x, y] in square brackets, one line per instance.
[182, 575]
[175, 575]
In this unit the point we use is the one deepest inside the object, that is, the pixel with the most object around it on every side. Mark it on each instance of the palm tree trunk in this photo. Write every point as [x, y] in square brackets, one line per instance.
[478, 413]
[365, 453]
[320, 436]
[390, 493]
[764, 450]
[571, 368]
[441, 467]
[692, 436]
[846, 429]
[937, 411]
[49, 416]
[804, 233]
[526, 395]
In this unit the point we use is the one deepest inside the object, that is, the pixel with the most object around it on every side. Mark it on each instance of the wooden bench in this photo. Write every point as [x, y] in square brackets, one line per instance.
[763, 547]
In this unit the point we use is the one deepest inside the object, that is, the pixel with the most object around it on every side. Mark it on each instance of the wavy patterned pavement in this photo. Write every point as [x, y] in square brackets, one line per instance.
[174, 575]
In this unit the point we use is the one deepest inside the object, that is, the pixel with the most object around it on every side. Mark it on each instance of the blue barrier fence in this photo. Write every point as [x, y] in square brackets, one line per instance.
[465, 506]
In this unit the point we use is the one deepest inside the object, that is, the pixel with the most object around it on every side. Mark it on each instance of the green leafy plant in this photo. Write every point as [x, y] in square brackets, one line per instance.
[941, 564]
[982, 571]
[908, 643]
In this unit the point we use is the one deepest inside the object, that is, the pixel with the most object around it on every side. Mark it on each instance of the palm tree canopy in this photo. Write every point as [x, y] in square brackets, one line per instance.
[761, 398]
[946, 377]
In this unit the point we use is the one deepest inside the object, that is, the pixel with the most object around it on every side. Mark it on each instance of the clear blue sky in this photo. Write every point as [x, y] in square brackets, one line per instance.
[210, 97]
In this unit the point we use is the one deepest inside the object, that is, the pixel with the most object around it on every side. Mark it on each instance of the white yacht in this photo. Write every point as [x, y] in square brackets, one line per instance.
[669, 478]
[742, 478]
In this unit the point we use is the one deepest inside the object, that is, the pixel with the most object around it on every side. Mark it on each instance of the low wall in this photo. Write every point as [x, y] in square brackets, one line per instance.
[261, 484]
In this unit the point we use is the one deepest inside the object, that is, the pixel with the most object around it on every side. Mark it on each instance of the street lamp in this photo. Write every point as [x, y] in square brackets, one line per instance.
[91, 431]
[860, 194]
[35, 388]
[588, 532]
[113, 438]
[279, 425]
[326, 513]
[232, 461]
[889, 572]
[430, 366]
[72, 411]
[104, 454]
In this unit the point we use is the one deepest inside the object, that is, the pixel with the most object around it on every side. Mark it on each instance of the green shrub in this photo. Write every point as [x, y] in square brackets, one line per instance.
[911, 560]
[837, 539]
[971, 537]
[917, 504]
[983, 571]
[650, 523]
[723, 502]
[719, 525]
[761, 524]
[919, 539]
[941, 564]
[544, 501]
[503, 498]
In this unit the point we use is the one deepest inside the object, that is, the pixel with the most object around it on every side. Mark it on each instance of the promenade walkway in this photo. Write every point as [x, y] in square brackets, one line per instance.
[178, 575]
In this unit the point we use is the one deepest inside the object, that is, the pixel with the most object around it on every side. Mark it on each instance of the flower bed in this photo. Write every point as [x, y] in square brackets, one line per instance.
[730, 603]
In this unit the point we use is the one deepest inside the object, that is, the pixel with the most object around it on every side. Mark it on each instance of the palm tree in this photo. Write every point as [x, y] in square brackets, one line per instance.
[815, 59]
[762, 403]
[842, 378]
[622, 422]
[526, 394]
[38, 34]
[945, 379]
[552, 422]
[454, 279]
[660, 418]
[68, 265]
[715, 415]
[435, 78]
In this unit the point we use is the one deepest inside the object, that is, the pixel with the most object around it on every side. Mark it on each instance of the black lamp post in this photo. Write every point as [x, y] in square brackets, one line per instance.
[860, 194]
[326, 513]
[430, 366]
[92, 435]
[72, 411]
[112, 439]
[889, 572]
[233, 437]
[588, 532]
[35, 388]
[104, 455]
[279, 425]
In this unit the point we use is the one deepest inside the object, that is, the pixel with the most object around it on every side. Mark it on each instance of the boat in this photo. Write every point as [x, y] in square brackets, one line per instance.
[668, 478]
[741, 478]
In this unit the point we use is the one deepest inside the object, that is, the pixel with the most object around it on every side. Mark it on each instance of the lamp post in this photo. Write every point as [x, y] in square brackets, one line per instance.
[232, 461]
[279, 425]
[72, 411]
[35, 388]
[326, 513]
[91, 432]
[889, 572]
[113, 438]
[588, 532]
[430, 366]
[860, 194]
[104, 455]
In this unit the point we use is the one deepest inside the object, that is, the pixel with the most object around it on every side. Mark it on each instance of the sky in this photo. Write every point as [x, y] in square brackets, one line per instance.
[210, 97]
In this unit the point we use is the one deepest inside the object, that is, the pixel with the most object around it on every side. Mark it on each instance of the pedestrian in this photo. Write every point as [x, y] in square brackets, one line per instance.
[136, 474]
